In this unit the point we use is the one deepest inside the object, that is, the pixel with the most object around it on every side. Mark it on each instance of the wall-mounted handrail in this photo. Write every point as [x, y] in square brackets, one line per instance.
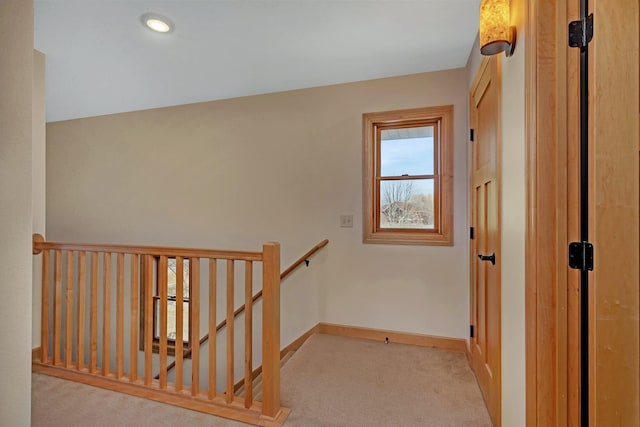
[257, 296]
[303, 258]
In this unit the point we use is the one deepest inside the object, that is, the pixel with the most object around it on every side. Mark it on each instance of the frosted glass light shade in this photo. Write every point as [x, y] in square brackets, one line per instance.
[496, 35]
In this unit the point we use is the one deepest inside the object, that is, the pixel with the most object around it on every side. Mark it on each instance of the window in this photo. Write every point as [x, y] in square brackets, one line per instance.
[408, 176]
[172, 271]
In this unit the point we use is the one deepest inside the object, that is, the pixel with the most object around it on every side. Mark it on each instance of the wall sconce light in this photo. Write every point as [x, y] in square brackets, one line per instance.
[496, 35]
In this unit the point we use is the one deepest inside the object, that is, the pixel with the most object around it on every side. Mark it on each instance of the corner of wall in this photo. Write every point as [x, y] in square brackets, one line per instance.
[38, 184]
[16, 45]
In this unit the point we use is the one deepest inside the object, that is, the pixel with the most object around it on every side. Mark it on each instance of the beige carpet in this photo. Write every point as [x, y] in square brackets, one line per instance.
[60, 403]
[336, 381]
[330, 381]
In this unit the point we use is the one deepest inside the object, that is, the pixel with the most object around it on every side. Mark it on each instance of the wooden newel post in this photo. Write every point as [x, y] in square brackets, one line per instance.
[271, 330]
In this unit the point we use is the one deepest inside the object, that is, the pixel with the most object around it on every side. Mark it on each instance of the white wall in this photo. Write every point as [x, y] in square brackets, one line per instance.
[513, 219]
[284, 167]
[38, 184]
[16, 45]
[419, 289]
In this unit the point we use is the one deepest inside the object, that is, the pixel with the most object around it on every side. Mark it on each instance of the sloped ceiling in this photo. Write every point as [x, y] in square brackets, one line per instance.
[102, 60]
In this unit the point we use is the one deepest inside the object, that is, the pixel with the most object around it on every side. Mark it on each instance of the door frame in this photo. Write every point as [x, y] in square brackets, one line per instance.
[547, 209]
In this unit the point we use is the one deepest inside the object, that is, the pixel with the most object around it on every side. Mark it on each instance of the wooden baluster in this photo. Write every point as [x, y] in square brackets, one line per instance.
[148, 318]
[194, 283]
[68, 340]
[248, 334]
[135, 322]
[230, 329]
[106, 313]
[271, 330]
[179, 322]
[162, 333]
[82, 264]
[44, 336]
[57, 305]
[120, 316]
[93, 321]
[212, 326]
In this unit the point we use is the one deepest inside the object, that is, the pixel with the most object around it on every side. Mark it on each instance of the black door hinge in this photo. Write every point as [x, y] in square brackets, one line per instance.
[581, 32]
[581, 256]
[472, 233]
[472, 332]
[472, 135]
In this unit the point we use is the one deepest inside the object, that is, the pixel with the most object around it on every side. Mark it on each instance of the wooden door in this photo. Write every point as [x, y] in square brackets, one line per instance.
[614, 377]
[485, 247]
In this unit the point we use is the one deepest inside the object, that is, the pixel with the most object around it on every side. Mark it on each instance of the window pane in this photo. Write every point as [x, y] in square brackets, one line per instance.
[171, 277]
[171, 320]
[185, 321]
[407, 151]
[156, 331]
[407, 204]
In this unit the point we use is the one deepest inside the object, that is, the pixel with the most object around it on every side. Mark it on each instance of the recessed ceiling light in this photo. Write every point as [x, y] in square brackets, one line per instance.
[156, 23]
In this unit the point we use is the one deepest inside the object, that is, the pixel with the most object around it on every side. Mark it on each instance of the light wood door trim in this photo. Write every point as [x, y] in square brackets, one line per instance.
[546, 233]
[551, 289]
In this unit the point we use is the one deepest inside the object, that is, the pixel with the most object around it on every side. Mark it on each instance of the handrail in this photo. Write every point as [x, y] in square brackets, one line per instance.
[303, 258]
[257, 296]
[39, 245]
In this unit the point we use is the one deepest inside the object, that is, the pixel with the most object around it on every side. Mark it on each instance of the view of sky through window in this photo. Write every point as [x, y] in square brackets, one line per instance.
[407, 151]
[408, 156]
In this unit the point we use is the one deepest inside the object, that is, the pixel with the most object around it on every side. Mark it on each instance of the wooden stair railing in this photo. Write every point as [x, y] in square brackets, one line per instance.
[303, 259]
[87, 287]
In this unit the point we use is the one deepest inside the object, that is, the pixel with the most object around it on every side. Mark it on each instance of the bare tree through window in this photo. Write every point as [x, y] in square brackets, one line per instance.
[403, 205]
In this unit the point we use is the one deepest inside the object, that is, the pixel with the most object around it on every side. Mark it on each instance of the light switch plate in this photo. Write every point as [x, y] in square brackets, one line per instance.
[346, 221]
